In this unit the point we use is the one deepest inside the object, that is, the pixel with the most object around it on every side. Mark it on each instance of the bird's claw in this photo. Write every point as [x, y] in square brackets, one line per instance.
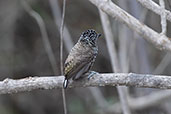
[91, 73]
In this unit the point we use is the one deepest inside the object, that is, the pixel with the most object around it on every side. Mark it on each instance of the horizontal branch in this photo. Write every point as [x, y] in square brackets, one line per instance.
[111, 79]
[158, 40]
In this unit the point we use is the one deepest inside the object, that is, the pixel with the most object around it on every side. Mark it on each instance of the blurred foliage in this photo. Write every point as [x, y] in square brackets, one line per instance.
[76, 107]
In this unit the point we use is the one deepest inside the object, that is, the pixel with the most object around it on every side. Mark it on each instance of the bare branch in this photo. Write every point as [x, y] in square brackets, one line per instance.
[163, 17]
[68, 43]
[44, 34]
[61, 36]
[111, 79]
[61, 53]
[149, 4]
[110, 42]
[113, 57]
[160, 41]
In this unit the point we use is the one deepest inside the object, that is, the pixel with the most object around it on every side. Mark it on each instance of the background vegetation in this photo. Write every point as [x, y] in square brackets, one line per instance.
[23, 54]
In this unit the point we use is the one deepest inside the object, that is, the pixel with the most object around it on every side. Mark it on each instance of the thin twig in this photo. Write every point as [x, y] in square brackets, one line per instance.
[123, 52]
[47, 44]
[61, 53]
[68, 43]
[113, 57]
[61, 36]
[123, 43]
[44, 34]
[163, 17]
[164, 61]
[110, 43]
[141, 56]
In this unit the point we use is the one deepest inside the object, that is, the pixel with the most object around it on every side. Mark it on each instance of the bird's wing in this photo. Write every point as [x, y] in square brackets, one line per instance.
[76, 65]
[74, 71]
[78, 59]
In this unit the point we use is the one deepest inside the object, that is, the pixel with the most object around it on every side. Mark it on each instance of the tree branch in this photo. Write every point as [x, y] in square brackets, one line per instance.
[56, 11]
[163, 17]
[114, 58]
[149, 4]
[160, 41]
[111, 79]
[44, 34]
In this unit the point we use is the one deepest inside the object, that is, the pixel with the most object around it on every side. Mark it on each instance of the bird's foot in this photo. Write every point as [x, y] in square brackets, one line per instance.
[91, 73]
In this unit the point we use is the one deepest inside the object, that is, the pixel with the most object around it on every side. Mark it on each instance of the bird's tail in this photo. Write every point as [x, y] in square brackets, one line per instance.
[65, 83]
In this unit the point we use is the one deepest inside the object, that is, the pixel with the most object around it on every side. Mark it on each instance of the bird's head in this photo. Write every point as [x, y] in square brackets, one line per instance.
[89, 37]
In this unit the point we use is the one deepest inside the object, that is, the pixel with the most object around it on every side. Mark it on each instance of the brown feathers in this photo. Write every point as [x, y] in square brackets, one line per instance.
[81, 57]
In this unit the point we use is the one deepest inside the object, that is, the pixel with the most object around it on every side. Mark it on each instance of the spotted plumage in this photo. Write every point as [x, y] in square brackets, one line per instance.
[81, 57]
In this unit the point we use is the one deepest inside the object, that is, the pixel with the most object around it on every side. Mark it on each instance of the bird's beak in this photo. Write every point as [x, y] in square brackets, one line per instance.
[99, 35]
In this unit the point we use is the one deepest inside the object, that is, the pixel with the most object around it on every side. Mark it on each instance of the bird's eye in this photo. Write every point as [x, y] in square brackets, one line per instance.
[92, 35]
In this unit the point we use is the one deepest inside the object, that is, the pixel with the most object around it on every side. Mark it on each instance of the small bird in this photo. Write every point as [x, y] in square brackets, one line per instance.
[82, 57]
